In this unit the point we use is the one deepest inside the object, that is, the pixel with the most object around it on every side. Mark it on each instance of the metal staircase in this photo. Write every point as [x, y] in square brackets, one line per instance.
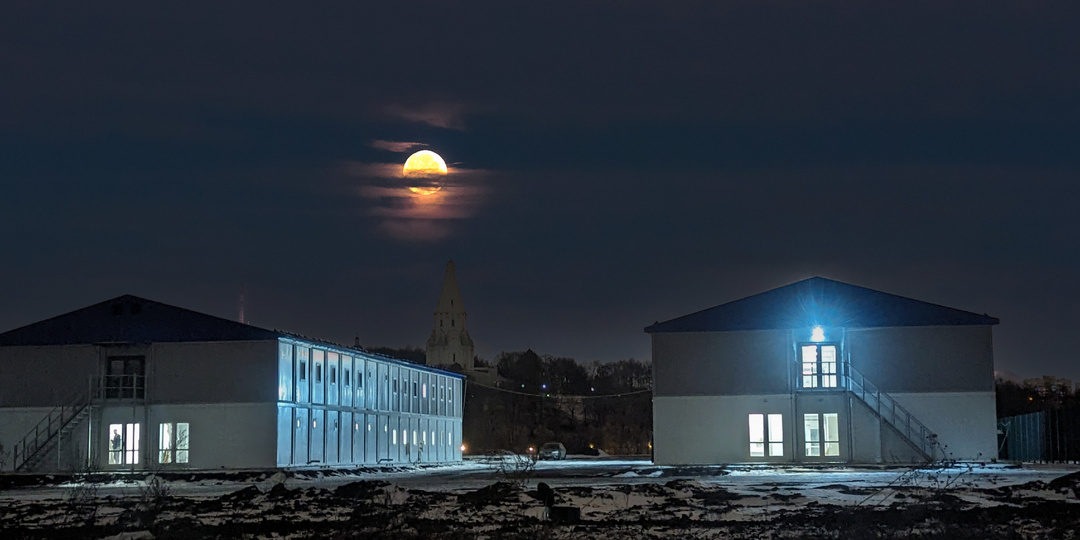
[48, 433]
[885, 407]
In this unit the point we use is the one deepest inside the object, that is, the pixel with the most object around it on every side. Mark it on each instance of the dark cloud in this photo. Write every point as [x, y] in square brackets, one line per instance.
[614, 163]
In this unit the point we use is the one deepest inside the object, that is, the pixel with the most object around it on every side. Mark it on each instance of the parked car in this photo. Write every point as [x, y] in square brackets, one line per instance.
[552, 450]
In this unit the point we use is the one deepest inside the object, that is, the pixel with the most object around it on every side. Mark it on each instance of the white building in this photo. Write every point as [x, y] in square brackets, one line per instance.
[132, 384]
[823, 371]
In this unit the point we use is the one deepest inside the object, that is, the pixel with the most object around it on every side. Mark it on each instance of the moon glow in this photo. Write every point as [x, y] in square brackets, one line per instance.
[427, 166]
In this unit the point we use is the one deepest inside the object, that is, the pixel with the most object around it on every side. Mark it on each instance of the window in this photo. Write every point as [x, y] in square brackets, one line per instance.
[359, 379]
[347, 379]
[125, 377]
[822, 434]
[424, 390]
[124, 444]
[333, 374]
[759, 428]
[303, 370]
[414, 387]
[318, 373]
[819, 366]
[173, 442]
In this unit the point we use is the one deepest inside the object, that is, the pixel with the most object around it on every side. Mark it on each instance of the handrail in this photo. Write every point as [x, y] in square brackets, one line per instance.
[53, 423]
[888, 409]
[107, 387]
[120, 387]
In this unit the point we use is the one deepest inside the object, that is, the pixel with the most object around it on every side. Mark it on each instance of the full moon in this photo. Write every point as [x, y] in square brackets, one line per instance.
[426, 165]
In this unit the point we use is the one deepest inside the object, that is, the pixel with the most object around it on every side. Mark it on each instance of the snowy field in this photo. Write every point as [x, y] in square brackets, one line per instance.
[606, 499]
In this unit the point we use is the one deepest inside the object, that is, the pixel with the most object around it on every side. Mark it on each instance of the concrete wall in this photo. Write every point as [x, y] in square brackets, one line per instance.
[45, 376]
[15, 423]
[714, 429]
[222, 436]
[722, 363]
[221, 371]
[966, 422]
[212, 372]
[924, 358]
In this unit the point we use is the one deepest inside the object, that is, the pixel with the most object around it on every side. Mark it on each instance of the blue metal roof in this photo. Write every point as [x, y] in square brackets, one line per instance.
[820, 301]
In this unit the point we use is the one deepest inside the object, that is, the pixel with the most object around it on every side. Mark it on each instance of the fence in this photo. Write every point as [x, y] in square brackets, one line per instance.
[1048, 436]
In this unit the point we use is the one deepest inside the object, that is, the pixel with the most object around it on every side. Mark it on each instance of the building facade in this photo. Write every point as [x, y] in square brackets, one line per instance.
[132, 384]
[821, 371]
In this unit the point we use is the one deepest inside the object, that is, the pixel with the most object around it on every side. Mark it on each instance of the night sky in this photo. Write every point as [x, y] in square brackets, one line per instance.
[612, 163]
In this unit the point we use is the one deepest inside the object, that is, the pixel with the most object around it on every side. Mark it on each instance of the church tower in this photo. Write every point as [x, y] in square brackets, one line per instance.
[450, 342]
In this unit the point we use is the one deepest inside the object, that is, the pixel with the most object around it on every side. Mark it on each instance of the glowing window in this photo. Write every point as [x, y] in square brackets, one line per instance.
[819, 366]
[173, 442]
[766, 436]
[124, 444]
[822, 433]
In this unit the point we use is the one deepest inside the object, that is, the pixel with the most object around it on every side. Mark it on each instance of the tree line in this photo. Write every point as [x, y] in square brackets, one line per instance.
[542, 398]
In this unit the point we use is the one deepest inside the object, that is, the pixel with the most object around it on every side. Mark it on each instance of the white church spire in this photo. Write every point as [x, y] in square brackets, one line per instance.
[450, 343]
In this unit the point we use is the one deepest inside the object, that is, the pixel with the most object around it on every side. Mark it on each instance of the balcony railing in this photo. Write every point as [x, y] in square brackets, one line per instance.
[120, 387]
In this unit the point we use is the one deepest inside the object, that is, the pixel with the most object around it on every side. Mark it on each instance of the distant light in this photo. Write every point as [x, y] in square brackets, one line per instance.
[462, 448]
[544, 386]
[817, 335]
[592, 388]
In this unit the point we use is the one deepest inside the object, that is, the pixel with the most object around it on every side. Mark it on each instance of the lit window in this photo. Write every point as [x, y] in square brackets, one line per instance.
[124, 444]
[395, 436]
[424, 390]
[757, 435]
[774, 428]
[173, 440]
[822, 432]
[819, 366]
[809, 366]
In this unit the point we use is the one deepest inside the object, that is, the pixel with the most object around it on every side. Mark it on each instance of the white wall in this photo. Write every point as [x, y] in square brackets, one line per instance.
[713, 429]
[222, 435]
[966, 422]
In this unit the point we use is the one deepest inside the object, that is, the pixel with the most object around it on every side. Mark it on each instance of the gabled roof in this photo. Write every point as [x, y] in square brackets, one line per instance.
[820, 301]
[130, 319]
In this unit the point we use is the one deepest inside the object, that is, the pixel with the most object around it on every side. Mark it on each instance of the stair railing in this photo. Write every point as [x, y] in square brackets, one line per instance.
[38, 439]
[893, 413]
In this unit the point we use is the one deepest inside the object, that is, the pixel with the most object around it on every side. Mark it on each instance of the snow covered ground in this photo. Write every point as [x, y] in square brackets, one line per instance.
[594, 499]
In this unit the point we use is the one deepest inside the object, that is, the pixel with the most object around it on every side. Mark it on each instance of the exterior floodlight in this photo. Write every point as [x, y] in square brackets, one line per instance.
[817, 335]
